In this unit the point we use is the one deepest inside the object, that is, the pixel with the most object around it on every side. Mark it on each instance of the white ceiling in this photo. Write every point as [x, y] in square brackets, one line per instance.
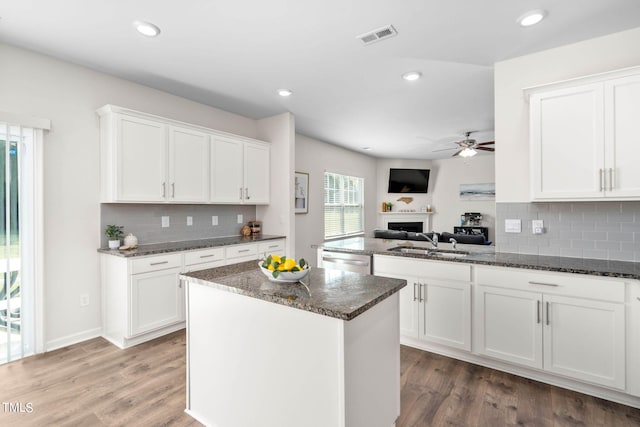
[234, 55]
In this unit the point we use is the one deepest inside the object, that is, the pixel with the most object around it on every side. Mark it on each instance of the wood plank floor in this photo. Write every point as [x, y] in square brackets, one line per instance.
[96, 384]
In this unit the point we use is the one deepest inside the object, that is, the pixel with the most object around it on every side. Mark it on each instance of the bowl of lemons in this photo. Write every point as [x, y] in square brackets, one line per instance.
[282, 269]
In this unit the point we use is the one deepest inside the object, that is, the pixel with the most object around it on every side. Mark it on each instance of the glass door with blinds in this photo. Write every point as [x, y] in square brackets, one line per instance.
[16, 290]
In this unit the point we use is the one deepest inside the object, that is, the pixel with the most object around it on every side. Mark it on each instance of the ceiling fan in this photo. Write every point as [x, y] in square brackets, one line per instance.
[468, 147]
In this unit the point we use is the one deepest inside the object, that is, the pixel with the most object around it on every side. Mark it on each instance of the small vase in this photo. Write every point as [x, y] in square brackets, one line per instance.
[114, 244]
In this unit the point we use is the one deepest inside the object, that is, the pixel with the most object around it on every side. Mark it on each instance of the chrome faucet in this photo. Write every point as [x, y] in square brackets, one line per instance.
[433, 241]
[454, 242]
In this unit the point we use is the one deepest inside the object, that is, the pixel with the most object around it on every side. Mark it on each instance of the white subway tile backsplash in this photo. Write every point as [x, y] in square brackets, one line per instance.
[599, 230]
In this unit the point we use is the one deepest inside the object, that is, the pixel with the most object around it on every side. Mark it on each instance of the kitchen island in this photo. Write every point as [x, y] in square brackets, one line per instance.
[267, 353]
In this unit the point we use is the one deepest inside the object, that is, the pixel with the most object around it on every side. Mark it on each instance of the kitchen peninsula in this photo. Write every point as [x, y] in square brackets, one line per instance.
[269, 353]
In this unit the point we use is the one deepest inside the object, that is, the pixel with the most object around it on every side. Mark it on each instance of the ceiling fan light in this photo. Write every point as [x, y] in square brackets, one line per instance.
[284, 92]
[532, 18]
[468, 152]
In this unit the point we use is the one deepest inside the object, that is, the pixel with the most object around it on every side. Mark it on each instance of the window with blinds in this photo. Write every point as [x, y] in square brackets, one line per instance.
[343, 205]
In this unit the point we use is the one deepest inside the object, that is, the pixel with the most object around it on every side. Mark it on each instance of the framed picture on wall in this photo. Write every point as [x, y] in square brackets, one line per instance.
[301, 193]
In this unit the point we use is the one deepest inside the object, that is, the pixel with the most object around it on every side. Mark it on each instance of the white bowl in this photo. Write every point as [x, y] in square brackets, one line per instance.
[285, 276]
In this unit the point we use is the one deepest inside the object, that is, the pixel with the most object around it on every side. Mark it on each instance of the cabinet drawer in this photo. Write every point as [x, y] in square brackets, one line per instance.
[155, 263]
[241, 250]
[271, 247]
[205, 255]
[584, 286]
[422, 268]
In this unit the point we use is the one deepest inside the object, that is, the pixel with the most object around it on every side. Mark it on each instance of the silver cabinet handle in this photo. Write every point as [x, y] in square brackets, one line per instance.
[414, 291]
[420, 292]
[173, 189]
[345, 261]
[244, 250]
[180, 284]
[246, 193]
[611, 184]
[159, 263]
[547, 313]
[273, 246]
[544, 284]
[207, 256]
[601, 179]
[538, 311]
[240, 193]
[164, 189]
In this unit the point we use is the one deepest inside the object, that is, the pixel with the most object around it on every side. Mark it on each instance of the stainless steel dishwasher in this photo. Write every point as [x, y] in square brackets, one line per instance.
[347, 262]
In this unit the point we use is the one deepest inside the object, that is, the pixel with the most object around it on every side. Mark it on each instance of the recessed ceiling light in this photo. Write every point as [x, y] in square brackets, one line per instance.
[412, 75]
[532, 18]
[146, 28]
[284, 92]
[367, 148]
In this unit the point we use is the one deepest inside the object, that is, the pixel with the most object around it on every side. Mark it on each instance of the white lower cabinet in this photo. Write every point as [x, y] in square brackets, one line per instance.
[633, 339]
[560, 323]
[435, 306]
[143, 297]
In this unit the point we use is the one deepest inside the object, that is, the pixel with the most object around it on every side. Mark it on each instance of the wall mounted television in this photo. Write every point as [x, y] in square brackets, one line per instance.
[408, 180]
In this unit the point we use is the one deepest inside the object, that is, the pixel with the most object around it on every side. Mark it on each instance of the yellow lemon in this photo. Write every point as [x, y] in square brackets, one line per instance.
[289, 264]
[270, 267]
[275, 258]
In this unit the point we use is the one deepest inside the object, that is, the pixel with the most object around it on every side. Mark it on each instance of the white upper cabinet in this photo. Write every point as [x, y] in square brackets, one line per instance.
[188, 165]
[240, 172]
[582, 138]
[149, 159]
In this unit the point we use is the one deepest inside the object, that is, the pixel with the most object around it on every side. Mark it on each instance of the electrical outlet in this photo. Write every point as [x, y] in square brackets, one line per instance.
[537, 226]
[165, 222]
[84, 300]
[240, 219]
[189, 220]
[512, 226]
[214, 220]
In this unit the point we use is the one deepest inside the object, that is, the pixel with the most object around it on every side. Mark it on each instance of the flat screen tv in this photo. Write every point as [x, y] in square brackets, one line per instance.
[408, 180]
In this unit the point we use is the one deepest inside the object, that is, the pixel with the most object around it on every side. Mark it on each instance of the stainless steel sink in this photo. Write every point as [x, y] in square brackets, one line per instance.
[431, 252]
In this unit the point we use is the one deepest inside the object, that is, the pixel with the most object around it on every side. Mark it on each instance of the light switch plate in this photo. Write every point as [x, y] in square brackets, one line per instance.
[214, 220]
[512, 226]
[240, 219]
[189, 220]
[165, 222]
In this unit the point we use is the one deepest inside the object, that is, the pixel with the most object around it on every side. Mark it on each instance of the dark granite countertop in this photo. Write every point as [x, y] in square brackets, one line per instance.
[486, 255]
[186, 245]
[340, 294]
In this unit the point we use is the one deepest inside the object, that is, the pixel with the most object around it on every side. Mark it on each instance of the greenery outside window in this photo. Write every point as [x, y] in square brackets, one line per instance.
[343, 205]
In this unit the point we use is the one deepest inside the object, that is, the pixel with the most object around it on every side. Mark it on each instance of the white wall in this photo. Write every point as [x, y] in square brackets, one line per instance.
[40, 86]
[448, 174]
[315, 157]
[419, 200]
[593, 56]
[278, 217]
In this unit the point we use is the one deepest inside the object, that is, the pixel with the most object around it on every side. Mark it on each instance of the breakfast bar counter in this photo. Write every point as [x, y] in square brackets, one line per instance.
[322, 353]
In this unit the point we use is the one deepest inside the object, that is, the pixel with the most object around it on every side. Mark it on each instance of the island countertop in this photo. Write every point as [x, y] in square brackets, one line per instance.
[339, 294]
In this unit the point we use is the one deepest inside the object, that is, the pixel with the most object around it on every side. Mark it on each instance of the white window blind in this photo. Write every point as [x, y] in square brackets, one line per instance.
[343, 205]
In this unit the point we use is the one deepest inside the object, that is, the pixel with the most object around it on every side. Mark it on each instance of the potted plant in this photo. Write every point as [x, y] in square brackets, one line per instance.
[114, 233]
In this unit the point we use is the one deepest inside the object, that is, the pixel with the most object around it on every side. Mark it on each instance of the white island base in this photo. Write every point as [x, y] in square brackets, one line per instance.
[256, 363]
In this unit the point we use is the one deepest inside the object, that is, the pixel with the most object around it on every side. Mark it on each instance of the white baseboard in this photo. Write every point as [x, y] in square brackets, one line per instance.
[72, 339]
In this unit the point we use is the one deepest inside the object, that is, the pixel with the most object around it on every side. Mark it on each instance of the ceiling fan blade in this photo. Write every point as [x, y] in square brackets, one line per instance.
[486, 143]
[457, 152]
[485, 148]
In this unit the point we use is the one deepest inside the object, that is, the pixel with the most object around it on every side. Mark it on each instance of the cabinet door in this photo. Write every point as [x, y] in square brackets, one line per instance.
[408, 297]
[226, 170]
[585, 339]
[446, 317]
[256, 174]
[622, 110]
[141, 154]
[567, 143]
[157, 300]
[188, 165]
[508, 325]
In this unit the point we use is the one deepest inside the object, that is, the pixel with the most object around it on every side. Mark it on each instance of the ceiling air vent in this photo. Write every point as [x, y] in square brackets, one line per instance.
[377, 35]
